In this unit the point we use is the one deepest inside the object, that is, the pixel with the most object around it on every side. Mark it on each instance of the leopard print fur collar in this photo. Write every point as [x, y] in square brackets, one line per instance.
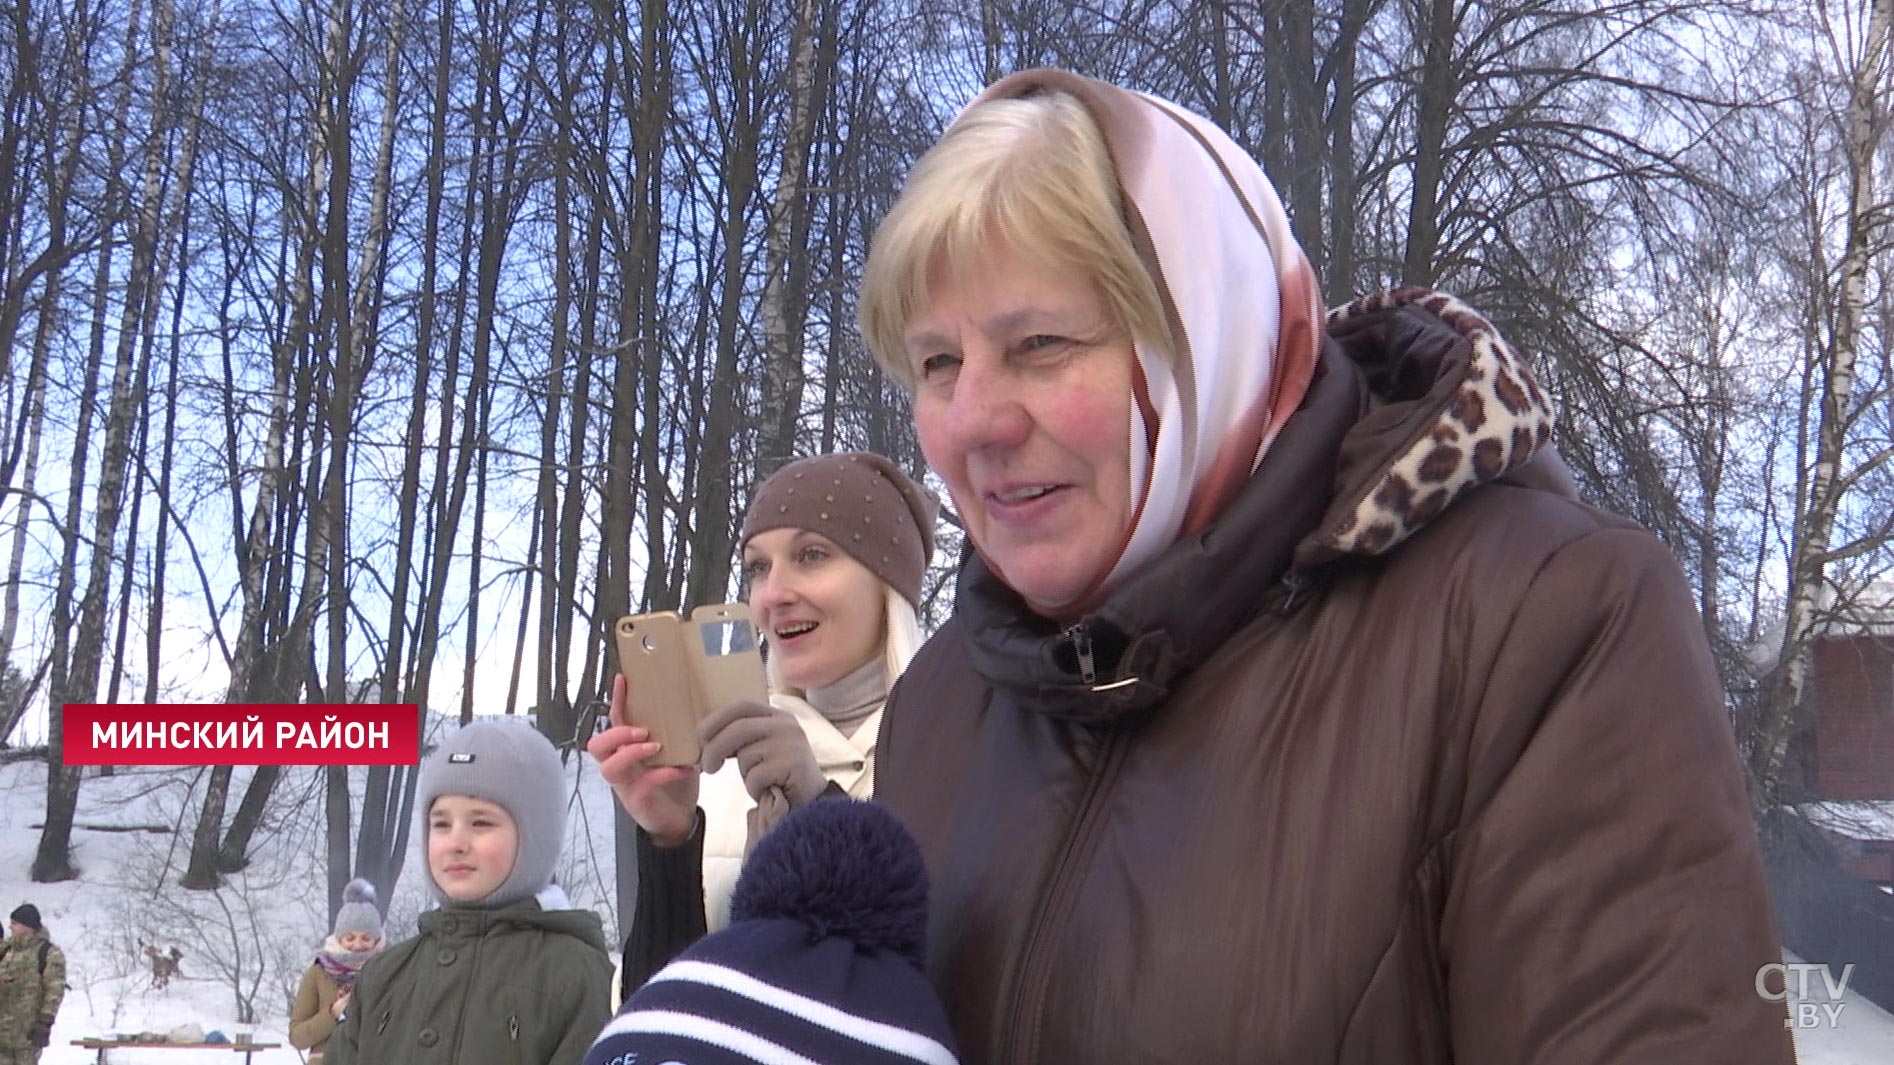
[1489, 421]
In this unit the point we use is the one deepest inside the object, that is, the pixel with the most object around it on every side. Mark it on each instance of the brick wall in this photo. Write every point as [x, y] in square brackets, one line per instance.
[1851, 684]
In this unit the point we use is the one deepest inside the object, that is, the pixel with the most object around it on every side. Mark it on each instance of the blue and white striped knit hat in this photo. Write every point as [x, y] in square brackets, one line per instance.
[820, 965]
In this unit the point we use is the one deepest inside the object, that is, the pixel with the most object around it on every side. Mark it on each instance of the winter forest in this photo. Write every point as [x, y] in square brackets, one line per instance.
[389, 351]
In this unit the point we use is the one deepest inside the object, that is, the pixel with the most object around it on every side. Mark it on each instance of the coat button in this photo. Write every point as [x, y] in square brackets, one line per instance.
[445, 957]
[450, 926]
[428, 1037]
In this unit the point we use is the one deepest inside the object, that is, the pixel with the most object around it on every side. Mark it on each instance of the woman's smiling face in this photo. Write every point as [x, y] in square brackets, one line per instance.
[822, 612]
[1022, 400]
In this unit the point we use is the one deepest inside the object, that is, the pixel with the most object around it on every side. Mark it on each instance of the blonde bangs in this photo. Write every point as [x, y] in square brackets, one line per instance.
[1031, 174]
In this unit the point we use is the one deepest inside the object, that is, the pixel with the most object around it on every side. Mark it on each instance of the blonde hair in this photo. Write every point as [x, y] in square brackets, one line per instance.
[1032, 173]
[900, 639]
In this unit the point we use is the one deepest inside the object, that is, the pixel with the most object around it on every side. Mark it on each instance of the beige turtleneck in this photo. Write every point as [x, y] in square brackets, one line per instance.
[849, 702]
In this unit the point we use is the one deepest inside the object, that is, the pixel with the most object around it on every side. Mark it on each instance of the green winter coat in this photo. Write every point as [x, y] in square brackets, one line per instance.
[27, 993]
[514, 986]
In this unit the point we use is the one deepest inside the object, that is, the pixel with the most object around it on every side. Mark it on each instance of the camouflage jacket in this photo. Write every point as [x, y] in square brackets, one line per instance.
[28, 992]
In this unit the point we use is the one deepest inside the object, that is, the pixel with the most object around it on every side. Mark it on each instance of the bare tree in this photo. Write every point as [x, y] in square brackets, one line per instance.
[1861, 52]
[75, 665]
[784, 301]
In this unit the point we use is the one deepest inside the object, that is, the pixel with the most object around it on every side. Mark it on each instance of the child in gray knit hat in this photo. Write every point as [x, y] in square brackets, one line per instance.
[503, 970]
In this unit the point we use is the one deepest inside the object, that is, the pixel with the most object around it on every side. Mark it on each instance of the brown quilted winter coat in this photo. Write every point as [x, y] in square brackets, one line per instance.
[1409, 758]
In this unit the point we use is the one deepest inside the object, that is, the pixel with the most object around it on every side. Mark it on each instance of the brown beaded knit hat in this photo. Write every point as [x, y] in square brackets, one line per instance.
[860, 500]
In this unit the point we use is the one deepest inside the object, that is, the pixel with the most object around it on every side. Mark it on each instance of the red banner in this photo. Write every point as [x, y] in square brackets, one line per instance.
[241, 734]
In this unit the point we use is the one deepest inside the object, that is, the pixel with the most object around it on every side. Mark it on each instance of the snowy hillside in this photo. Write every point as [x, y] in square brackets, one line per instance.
[254, 938]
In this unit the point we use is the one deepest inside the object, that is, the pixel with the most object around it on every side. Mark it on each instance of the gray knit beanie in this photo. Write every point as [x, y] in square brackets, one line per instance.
[358, 913]
[861, 501]
[505, 761]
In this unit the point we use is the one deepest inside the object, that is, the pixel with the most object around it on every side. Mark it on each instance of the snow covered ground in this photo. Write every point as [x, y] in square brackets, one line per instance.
[254, 938]
[1862, 1033]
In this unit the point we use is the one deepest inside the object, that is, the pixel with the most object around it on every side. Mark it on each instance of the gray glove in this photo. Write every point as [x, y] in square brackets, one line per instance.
[770, 749]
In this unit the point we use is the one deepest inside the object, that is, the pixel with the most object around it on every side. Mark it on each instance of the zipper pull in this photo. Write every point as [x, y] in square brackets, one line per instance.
[382, 1025]
[513, 1027]
[1296, 582]
[1081, 636]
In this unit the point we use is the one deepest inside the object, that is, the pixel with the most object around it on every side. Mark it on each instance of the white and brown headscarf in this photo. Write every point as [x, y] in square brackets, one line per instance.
[1241, 299]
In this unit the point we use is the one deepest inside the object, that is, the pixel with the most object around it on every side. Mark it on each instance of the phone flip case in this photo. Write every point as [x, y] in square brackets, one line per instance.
[678, 671]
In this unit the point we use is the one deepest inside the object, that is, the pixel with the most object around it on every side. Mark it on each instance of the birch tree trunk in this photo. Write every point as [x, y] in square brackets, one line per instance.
[784, 303]
[1866, 126]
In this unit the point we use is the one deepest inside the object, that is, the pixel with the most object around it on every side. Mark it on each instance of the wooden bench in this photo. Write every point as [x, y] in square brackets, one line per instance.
[103, 1045]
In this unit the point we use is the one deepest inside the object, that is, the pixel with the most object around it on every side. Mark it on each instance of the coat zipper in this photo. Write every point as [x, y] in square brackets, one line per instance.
[1035, 969]
[513, 1035]
[1081, 636]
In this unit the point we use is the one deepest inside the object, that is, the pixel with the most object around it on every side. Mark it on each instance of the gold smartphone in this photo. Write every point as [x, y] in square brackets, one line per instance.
[677, 671]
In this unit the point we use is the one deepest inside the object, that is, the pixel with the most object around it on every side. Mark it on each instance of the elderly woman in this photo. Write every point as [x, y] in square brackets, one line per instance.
[1293, 709]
